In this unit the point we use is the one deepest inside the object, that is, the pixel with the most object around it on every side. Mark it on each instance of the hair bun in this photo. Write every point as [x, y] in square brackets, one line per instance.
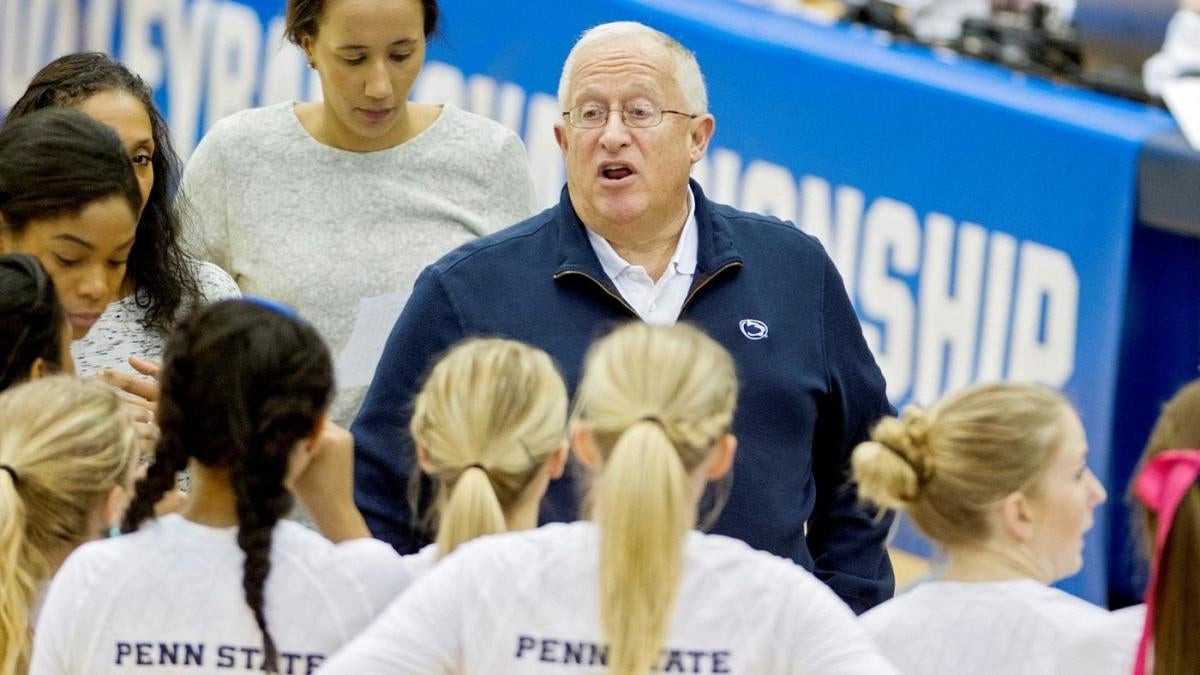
[910, 440]
[884, 476]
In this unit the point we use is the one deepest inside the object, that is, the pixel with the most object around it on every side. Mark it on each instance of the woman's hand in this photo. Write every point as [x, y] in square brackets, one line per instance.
[326, 484]
[140, 395]
[144, 388]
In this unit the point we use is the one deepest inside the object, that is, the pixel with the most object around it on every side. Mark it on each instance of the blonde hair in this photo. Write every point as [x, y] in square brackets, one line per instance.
[656, 399]
[683, 61]
[69, 442]
[946, 466]
[490, 415]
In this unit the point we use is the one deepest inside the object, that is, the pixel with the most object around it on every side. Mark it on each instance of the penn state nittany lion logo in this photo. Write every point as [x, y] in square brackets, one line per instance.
[753, 329]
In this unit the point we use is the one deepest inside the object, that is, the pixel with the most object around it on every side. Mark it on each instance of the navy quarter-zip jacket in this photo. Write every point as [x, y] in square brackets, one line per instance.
[809, 387]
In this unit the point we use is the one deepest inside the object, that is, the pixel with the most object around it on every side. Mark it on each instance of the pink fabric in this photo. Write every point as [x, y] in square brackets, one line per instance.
[1161, 487]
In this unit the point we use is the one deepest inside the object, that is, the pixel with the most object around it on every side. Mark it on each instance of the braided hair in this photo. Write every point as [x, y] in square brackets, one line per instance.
[242, 383]
[158, 269]
[33, 319]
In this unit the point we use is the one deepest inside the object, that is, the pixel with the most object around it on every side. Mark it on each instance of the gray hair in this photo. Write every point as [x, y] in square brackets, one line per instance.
[687, 69]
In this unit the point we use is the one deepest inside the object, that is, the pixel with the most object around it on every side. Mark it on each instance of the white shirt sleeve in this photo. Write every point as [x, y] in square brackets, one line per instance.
[378, 568]
[203, 199]
[821, 636]
[62, 627]
[419, 634]
[1107, 647]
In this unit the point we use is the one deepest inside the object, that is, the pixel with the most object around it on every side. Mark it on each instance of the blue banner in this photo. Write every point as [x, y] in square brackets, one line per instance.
[981, 220]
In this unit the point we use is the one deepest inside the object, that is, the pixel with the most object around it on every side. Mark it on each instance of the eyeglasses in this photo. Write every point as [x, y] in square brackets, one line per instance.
[635, 115]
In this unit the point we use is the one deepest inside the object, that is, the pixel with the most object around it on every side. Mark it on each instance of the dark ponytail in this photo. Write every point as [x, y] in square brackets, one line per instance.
[242, 384]
[32, 317]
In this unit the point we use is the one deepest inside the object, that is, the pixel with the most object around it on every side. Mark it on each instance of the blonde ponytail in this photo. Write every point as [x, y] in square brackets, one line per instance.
[656, 400]
[472, 510]
[641, 544]
[17, 585]
[69, 442]
[488, 418]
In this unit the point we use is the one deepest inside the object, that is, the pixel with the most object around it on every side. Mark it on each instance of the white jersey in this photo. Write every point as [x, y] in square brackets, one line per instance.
[169, 599]
[525, 602]
[417, 564]
[983, 628]
[1111, 648]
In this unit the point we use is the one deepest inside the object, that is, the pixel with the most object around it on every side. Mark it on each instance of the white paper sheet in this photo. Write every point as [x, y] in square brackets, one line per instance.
[376, 316]
[1182, 96]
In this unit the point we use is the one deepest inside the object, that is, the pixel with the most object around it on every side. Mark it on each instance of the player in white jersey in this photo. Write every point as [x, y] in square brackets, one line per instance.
[490, 427]
[636, 589]
[996, 476]
[67, 456]
[1160, 635]
[227, 586]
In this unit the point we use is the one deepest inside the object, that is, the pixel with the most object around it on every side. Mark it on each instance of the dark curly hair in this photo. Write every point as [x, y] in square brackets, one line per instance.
[242, 383]
[162, 279]
[32, 319]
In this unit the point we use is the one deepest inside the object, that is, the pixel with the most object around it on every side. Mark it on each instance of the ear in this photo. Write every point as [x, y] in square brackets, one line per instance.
[40, 369]
[557, 462]
[423, 460]
[7, 241]
[584, 444]
[1017, 517]
[702, 130]
[304, 451]
[111, 508]
[306, 43]
[722, 457]
[560, 137]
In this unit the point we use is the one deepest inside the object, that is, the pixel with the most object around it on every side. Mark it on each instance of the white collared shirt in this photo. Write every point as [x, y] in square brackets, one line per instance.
[656, 303]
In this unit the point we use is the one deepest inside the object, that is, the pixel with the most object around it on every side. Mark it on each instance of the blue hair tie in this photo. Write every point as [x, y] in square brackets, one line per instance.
[277, 307]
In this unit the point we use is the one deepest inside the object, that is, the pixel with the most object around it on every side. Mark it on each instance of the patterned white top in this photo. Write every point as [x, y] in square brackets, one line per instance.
[120, 332]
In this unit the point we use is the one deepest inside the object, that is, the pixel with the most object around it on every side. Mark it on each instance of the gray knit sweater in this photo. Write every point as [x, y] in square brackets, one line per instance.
[319, 228]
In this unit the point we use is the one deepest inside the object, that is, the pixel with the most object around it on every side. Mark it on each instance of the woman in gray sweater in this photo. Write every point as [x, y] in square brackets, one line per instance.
[319, 205]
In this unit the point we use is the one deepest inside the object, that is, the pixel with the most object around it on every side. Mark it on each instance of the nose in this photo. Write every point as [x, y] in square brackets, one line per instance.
[1099, 494]
[379, 83]
[615, 134]
[93, 284]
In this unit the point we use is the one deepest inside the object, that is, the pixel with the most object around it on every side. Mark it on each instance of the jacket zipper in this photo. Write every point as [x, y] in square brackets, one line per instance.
[614, 296]
[704, 282]
[618, 298]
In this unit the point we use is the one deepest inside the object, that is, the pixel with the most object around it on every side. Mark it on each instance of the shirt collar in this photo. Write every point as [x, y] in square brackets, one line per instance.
[683, 261]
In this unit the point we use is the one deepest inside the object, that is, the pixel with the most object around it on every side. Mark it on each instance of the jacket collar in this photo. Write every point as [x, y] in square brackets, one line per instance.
[714, 251]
